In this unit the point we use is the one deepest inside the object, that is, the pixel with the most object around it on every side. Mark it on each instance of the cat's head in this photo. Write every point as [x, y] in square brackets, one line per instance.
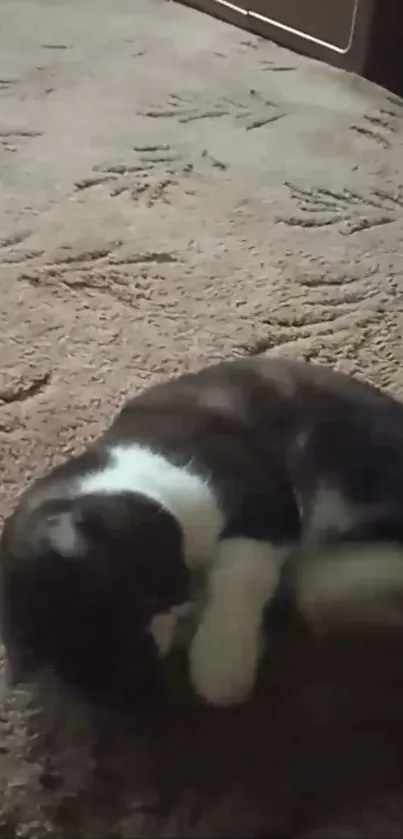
[82, 581]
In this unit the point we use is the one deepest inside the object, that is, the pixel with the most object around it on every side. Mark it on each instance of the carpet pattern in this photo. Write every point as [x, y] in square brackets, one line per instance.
[174, 191]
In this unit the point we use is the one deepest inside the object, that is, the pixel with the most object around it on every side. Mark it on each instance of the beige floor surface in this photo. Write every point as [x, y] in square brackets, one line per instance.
[173, 191]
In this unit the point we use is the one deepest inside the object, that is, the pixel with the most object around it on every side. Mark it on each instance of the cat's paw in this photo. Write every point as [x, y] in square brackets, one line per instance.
[223, 663]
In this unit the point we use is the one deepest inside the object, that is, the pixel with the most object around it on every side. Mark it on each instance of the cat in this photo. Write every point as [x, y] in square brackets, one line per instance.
[231, 475]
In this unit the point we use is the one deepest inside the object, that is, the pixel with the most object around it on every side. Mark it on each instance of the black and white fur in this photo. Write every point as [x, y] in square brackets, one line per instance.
[228, 472]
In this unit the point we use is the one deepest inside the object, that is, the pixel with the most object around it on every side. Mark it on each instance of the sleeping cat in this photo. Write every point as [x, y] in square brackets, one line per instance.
[229, 473]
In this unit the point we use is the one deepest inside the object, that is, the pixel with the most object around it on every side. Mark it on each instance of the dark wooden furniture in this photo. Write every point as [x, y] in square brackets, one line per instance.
[364, 36]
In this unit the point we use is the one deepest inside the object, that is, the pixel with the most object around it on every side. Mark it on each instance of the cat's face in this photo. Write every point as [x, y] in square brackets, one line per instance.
[93, 615]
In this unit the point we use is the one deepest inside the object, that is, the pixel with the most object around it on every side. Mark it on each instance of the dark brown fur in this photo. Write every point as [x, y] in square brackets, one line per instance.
[266, 434]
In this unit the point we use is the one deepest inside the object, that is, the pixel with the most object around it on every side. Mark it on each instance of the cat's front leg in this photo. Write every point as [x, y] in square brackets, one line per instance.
[226, 649]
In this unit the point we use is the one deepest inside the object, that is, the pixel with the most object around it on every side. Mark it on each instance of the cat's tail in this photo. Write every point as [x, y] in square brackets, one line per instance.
[351, 585]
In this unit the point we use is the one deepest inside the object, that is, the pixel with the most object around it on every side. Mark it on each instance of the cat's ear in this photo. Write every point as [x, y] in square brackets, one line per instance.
[60, 533]
[115, 516]
[73, 528]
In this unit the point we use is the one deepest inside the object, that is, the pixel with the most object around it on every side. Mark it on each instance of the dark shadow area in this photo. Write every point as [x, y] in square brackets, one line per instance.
[324, 736]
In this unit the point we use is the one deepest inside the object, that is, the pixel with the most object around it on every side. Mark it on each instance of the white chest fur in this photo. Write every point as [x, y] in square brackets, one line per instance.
[179, 490]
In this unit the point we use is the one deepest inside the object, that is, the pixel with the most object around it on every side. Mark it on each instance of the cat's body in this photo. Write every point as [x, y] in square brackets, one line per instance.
[229, 471]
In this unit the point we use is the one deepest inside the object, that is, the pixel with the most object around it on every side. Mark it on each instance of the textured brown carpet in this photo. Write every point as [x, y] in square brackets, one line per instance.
[172, 192]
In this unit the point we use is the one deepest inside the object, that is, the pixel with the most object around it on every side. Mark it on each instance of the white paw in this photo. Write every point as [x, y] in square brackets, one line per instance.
[223, 664]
